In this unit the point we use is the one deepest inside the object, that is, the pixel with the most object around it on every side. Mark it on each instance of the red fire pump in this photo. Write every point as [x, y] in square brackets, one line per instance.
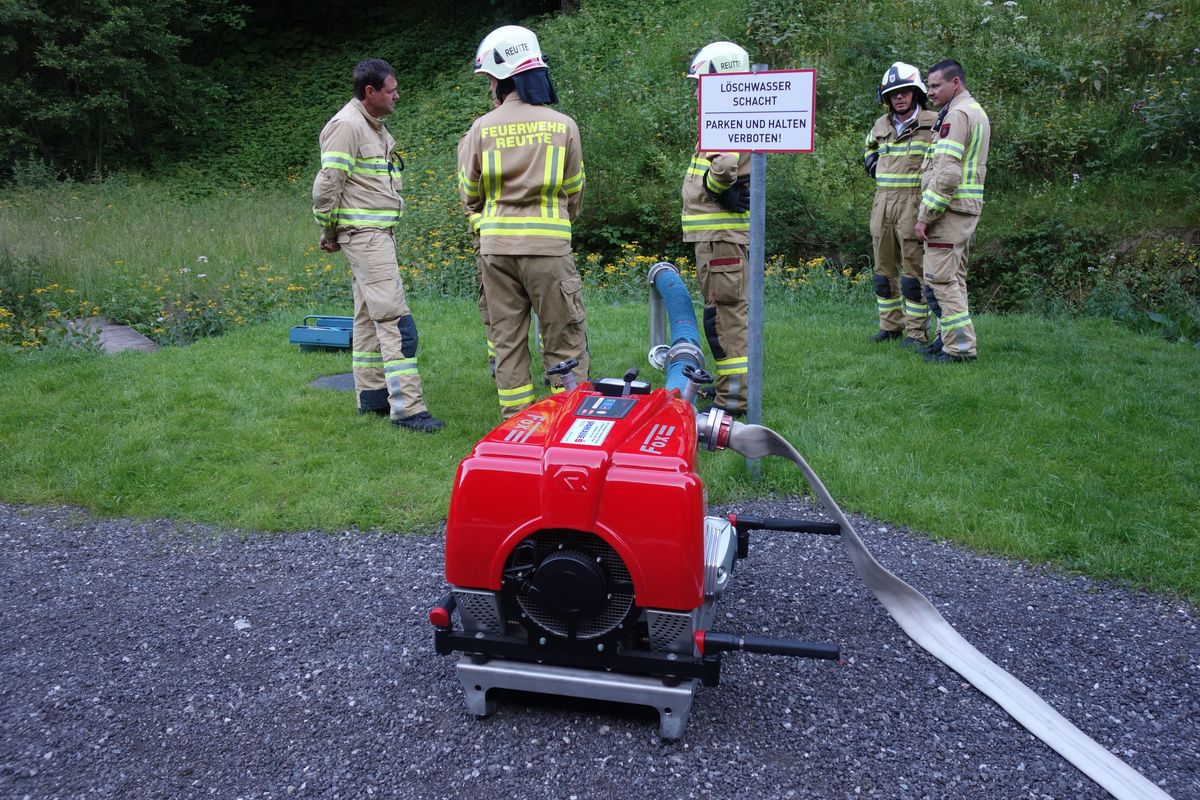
[581, 559]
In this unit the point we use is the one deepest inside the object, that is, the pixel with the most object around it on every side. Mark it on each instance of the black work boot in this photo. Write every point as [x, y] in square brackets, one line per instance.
[422, 422]
[934, 347]
[942, 357]
[916, 345]
[382, 411]
[885, 336]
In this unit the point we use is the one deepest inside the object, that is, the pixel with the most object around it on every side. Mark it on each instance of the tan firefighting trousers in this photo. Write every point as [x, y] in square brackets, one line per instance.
[384, 348]
[721, 268]
[898, 252]
[947, 248]
[549, 286]
[481, 303]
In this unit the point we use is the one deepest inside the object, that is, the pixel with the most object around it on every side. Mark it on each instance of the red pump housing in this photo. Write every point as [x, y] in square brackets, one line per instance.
[621, 468]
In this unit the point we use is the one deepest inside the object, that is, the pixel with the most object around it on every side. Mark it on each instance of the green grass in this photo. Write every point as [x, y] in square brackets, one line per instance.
[1070, 441]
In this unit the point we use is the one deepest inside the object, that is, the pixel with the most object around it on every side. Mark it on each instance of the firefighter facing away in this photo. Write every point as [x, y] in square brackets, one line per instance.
[952, 178]
[356, 201]
[895, 148]
[716, 218]
[521, 180]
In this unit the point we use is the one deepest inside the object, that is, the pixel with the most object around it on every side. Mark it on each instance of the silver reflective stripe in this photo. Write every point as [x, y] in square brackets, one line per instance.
[925, 626]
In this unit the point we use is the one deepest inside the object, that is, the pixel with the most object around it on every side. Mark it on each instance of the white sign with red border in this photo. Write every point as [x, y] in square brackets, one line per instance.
[760, 112]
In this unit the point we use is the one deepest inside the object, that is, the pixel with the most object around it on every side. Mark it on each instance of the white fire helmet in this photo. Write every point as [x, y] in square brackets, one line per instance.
[719, 57]
[508, 50]
[901, 76]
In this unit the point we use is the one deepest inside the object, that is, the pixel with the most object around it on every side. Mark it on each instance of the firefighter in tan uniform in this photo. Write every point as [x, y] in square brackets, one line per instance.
[356, 201]
[521, 180]
[952, 179]
[716, 218]
[895, 148]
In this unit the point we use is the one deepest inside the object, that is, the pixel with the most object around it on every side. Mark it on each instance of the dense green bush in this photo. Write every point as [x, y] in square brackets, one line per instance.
[1093, 107]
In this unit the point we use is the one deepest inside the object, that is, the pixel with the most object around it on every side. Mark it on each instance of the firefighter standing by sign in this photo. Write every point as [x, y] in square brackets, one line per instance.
[356, 201]
[895, 148]
[521, 180]
[716, 205]
[951, 200]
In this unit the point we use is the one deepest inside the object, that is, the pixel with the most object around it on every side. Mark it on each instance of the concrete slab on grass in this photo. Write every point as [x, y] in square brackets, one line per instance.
[114, 338]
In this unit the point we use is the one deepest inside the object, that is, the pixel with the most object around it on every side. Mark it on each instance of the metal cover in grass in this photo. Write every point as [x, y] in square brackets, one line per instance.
[343, 382]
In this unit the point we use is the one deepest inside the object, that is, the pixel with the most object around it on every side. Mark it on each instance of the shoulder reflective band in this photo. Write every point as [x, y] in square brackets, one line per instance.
[925, 626]
[332, 159]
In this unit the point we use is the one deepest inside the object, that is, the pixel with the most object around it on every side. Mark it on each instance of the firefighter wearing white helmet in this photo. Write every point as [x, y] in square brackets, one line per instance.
[895, 147]
[716, 218]
[520, 176]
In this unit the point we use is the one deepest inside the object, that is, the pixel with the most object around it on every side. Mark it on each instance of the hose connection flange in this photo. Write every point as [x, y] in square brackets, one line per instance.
[712, 429]
[564, 368]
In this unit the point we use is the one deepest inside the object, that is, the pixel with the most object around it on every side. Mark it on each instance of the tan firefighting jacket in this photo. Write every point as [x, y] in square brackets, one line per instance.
[704, 219]
[900, 155]
[520, 175]
[359, 182]
[952, 174]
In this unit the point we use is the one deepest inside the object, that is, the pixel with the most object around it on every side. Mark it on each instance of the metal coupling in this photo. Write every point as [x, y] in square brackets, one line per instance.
[712, 429]
[659, 267]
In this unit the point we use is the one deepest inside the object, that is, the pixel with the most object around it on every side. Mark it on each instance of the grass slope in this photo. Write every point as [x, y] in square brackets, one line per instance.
[1069, 441]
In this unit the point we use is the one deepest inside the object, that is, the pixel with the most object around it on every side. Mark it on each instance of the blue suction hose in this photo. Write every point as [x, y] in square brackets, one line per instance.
[685, 348]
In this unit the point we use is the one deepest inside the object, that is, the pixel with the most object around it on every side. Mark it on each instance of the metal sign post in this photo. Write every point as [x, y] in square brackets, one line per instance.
[760, 112]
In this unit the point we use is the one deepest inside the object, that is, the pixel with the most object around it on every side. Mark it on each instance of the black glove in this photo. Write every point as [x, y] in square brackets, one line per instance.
[870, 161]
[736, 198]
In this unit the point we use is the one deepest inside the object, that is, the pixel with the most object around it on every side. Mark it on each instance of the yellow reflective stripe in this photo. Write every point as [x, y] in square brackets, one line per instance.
[366, 217]
[903, 148]
[714, 185]
[726, 220]
[888, 303]
[332, 159]
[738, 365]
[323, 217]
[938, 202]
[469, 188]
[557, 390]
[954, 321]
[574, 183]
[907, 180]
[919, 310]
[491, 347]
[552, 176]
[525, 226]
[970, 186]
[698, 166]
[490, 179]
[473, 221]
[949, 148]
[515, 397]
[371, 166]
[366, 360]
[401, 366]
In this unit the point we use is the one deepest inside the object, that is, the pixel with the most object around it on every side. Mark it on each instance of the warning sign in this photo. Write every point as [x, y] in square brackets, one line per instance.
[763, 112]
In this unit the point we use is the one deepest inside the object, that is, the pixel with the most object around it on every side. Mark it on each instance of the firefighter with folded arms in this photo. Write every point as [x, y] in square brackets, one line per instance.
[895, 148]
[356, 201]
[716, 218]
[952, 177]
[521, 180]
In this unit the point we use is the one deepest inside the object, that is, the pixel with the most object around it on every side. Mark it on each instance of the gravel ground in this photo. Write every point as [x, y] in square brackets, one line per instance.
[159, 659]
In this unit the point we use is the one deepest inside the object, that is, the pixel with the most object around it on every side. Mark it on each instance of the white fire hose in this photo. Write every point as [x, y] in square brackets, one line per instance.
[925, 626]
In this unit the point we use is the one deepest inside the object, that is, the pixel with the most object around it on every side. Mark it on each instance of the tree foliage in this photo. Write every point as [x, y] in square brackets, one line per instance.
[86, 82]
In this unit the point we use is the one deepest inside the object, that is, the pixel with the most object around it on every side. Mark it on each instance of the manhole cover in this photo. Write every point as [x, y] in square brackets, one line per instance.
[339, 383]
